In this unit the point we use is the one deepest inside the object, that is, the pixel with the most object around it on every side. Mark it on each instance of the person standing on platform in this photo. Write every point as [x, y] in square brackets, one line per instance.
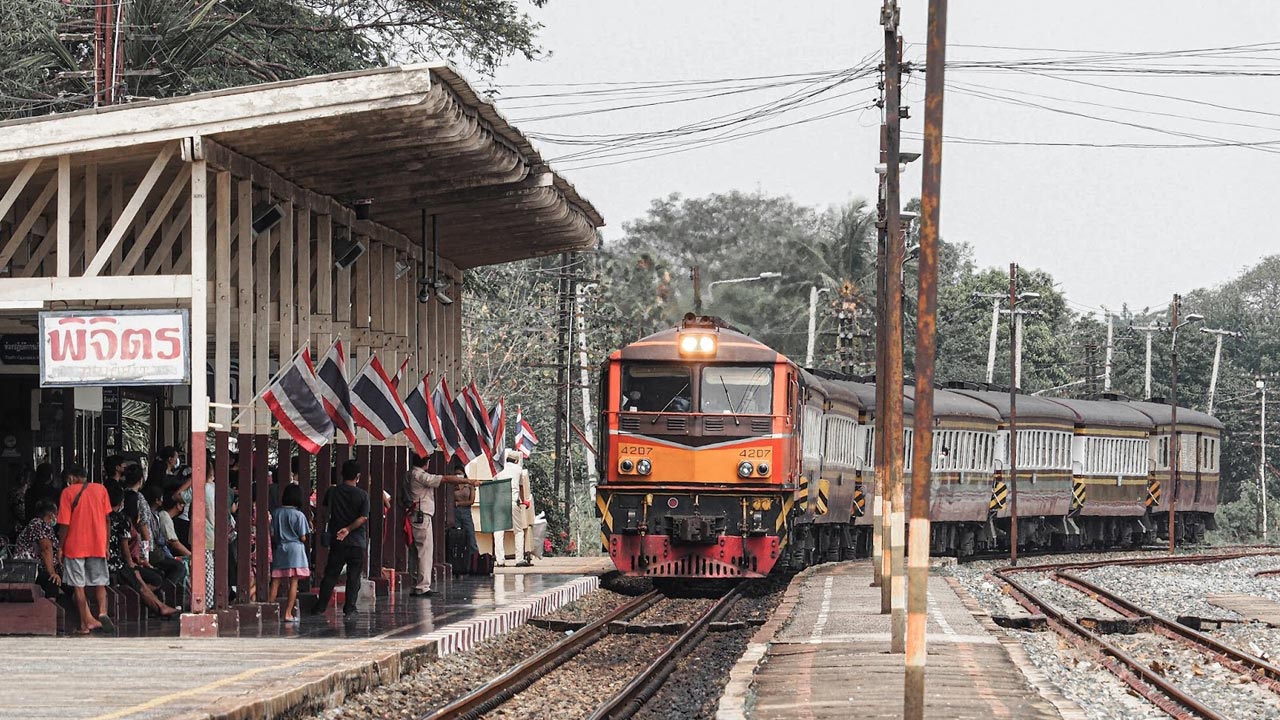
[420, 501]
[464, 498]
[82, 536]
[521, 508]
[289, 531]
[348, 514]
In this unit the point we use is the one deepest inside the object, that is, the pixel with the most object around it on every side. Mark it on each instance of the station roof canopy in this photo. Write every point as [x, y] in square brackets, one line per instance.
[407, 139]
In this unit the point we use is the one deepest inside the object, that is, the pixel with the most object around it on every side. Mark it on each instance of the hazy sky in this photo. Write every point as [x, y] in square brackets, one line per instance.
[1113, 225]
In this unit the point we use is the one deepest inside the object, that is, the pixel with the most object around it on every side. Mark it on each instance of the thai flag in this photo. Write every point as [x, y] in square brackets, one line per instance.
[444, 424]
[334, 392]
[476, 405]
[468, 428]
[375, 405]
[498, 423]
[294, 399]
[421, 431]
[395, 381]
[526, 440]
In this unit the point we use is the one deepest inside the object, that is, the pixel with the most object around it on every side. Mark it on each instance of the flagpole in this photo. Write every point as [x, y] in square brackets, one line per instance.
[284, 367]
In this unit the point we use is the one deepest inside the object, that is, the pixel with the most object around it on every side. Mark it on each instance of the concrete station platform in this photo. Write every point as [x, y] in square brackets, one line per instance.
[284, 669]
[825, 654]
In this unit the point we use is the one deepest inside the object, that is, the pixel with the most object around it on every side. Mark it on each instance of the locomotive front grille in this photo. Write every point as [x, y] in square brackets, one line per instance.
[713, 424]
[630, 424]
[676, 424]
[761, 425]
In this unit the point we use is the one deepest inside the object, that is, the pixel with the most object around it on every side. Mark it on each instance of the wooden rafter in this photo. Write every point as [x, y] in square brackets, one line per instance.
[130, 211]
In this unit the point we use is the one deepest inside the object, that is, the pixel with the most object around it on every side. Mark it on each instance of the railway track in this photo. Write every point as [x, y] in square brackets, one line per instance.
[1141, 676]
[627, 701]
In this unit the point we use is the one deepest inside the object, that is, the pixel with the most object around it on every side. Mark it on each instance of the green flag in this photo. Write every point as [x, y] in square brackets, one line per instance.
[495, 505]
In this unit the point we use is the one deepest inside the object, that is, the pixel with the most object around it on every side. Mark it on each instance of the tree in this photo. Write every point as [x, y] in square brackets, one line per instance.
[211, 44]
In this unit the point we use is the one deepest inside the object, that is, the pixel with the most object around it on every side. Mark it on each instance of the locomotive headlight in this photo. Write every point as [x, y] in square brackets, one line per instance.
[763, 468]
[644, 467]
[697, 343]
[627, 466]
[745, 469]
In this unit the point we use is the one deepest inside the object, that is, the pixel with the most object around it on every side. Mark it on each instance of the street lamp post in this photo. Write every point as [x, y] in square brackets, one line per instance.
[1262, 455]
[814, 292]
[761, 276]
[1174, 440]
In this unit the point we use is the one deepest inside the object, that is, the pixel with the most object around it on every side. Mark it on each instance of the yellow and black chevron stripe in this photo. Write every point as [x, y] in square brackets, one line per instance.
[859, 501]
[785, 515]
[824, 488]
[1153, 493]
[999, 497]
[1078, 495]
[606, 520]
[802, 492]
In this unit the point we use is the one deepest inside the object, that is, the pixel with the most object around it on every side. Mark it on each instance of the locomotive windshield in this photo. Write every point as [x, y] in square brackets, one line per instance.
[656, 388]
[737, 390]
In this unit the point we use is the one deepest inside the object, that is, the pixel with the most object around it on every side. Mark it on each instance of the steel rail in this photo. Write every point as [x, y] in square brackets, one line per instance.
[1140, 561]
[1265, 672]
[649, 680]
[1146, 682]
[508, 684]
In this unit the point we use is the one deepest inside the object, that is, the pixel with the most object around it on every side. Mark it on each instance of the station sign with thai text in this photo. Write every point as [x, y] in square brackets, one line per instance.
[119, 347]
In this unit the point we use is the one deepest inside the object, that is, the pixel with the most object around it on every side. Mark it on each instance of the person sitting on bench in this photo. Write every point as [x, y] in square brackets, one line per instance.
[39, 541]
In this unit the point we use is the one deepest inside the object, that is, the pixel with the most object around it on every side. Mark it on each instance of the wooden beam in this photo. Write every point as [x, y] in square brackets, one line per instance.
[363, 268]
[28, 221]
[106, 288]
[222, 300]
[91, 220]
[302, 283]
[131, 210]
[164, 251]
[63, 232]
[286, 284]
[18, 185]
[245, 307]
[262, 325]
[199, 206]
[48, 243]
[158, 216]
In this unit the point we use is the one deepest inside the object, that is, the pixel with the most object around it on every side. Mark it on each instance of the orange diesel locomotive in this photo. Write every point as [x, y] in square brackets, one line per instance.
[700, 462]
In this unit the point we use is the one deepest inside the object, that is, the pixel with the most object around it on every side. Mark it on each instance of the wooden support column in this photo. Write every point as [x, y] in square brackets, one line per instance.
[302, 318]
[285, 242]
[199, 392]
[362, 337]
[222, 304]
[378, 310]
[63, 233]
[248, 419]
[91, 219]
[262, 372]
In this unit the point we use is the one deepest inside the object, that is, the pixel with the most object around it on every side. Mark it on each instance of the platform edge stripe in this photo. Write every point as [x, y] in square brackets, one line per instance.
[1035, 678]
[738, 691]
[467, 634]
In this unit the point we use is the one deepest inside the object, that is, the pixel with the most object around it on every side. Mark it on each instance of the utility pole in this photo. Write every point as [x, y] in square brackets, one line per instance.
[814, 292]
[926, 352]
[697, 290]
[1148, 331]
[1262, 456]
[584, 373]
[563, 336]
[1091, 369]
[1106, 372]
[1217, 334]
[879, 509]
[846, 330]
[995, 330]
[894, 256]
[1174, 441]
[1015, 372]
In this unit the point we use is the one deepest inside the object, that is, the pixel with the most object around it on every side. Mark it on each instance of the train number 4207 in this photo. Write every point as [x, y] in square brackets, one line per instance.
[756, 453]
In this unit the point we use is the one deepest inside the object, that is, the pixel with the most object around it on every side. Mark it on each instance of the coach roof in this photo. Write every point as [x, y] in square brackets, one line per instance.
[1162, 414]
[1030, 407]
[1108, 413]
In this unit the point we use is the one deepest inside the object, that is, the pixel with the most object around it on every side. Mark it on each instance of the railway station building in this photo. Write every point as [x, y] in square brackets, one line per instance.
[214, 236]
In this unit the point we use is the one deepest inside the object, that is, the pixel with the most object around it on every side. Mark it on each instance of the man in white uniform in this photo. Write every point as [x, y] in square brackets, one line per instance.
[521, 508]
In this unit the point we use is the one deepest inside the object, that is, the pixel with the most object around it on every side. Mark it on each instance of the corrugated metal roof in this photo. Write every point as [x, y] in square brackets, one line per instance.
[406, 138]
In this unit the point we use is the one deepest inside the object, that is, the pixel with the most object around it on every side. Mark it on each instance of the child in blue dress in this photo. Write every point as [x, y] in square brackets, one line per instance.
[289, 529]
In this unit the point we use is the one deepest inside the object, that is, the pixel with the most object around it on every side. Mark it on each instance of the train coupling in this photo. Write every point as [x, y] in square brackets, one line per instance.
[696, 529]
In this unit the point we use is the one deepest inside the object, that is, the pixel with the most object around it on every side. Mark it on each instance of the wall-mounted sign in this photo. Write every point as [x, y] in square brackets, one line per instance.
[121, 347]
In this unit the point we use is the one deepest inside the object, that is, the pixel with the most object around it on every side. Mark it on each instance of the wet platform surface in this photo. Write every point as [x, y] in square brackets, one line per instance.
[161, 675]
[828, 657]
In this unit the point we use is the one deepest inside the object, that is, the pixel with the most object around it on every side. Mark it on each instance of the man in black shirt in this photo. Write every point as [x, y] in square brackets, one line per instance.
[348, 513]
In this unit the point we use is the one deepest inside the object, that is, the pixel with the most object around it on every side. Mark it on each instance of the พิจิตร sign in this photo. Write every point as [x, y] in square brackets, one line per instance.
[120, 347]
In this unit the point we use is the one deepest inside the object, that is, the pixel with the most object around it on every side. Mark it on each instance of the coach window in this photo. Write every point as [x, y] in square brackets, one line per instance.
[737, 390]
[656, 388]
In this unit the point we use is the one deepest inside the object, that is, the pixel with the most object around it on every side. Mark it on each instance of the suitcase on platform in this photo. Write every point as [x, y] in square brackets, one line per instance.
[457, 550]
[482, 564]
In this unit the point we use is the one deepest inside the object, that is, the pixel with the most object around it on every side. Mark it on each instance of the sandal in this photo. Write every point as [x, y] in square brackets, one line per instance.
[107, 625]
